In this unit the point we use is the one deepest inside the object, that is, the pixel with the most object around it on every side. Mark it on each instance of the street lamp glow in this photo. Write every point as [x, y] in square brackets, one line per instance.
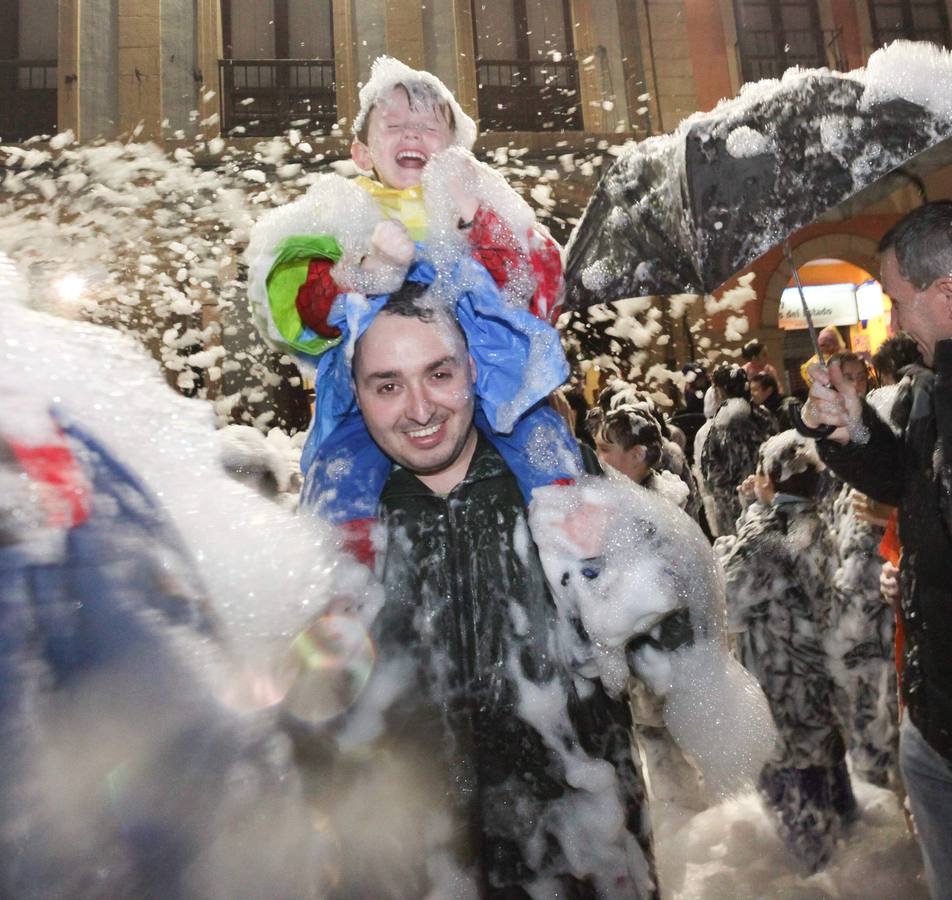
[70, 288]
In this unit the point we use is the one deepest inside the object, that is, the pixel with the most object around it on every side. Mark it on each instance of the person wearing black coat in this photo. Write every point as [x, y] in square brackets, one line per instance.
[493, 770]
[914, 472]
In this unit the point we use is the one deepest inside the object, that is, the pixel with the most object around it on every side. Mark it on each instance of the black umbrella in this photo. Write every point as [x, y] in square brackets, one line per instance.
[682, 213]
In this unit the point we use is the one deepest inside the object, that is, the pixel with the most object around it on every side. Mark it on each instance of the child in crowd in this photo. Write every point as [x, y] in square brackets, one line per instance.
[725, 447]
[778, 571]
[359, 235]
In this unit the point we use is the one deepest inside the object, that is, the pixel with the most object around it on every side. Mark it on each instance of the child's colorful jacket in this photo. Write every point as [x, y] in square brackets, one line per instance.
[504, 289]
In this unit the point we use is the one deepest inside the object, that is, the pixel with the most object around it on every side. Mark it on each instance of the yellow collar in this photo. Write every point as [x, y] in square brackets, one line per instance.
[403, 204]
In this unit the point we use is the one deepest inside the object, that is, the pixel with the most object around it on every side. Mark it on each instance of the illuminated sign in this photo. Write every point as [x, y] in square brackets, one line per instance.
[829, 304]
[869, 300]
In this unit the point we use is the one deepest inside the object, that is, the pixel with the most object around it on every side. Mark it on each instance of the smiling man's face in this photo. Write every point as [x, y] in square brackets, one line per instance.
[414, 382]
[401, 139]
[925, 315]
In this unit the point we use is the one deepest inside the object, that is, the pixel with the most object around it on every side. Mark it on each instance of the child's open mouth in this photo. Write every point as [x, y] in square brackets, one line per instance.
[411, 159]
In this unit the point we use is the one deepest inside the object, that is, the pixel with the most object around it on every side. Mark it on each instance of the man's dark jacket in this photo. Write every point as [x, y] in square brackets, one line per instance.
[467, 598]
[914, 472]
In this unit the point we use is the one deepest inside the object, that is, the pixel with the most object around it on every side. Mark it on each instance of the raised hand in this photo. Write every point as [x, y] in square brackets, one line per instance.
[390, 245]
[832, 401]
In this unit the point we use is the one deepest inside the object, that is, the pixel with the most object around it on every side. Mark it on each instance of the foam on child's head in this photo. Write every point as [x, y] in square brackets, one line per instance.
[422, 87]
[788, 454]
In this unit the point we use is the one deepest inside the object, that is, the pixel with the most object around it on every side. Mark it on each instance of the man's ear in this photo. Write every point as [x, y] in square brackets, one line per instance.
[944, 286]
[472, 369]
[360, 154]
[639, 452]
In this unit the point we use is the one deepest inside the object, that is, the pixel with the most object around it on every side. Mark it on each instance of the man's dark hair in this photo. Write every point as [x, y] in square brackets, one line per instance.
[628, 427]
[766, 380]
[405, 301]
[731, 379]
[409, 301]
[751, 350]
[893, 355]
[922, 242]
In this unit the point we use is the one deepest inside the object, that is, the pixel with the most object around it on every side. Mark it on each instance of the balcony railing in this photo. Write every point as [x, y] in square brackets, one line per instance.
[266, 97]
[528, 95]
[757, 55]
[27, 98]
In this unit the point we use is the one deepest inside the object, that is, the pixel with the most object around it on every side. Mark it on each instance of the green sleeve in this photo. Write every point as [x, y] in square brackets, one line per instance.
[288, 273]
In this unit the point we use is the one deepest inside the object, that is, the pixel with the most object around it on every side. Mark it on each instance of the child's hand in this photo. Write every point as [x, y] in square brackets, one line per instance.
[763, 488]
[459, 185]
[390, 245]
[746, 489]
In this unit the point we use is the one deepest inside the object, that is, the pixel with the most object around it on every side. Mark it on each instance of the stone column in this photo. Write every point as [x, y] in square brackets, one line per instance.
[405, 33]
[590, 88]
[67, 93]
[140, 68]
[208, 50]
[466, 81]
[709, 53]
[345, 62]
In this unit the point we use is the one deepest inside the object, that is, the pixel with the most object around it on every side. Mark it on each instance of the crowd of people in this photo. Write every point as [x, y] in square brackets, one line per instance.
[543, 604]
[801, 555]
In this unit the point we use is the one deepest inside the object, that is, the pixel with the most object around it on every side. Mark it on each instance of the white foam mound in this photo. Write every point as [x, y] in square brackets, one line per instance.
[266, 570]
[620, 560]
[913, 70]
[716, 708]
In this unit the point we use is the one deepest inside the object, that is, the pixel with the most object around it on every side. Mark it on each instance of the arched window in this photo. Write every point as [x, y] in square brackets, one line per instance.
[914, 20]
[278, 70]
[28, 52]
[526, 69]
[773, 35]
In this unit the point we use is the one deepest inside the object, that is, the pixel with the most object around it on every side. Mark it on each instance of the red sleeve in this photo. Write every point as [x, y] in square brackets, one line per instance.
[315, 297]
[64, 491]
[545, 257]
[496, 247]
[358, 541]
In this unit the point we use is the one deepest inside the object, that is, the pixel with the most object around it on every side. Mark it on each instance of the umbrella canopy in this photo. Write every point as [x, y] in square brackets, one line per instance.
[682, 213]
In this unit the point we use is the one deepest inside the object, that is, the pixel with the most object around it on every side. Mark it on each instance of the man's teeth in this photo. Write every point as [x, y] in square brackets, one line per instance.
[424, 432]
[411, 154]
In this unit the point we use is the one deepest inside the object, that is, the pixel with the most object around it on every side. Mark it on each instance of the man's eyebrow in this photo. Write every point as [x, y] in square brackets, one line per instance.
[389, 374]
[440, 363]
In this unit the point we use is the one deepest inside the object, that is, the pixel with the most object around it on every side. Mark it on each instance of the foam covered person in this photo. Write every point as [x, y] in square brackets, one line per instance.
[726, 446]
[778, 569]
